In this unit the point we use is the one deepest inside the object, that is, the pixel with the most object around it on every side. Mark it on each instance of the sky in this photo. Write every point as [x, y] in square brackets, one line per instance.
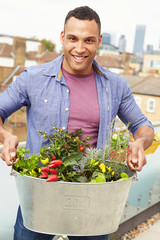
[45, 18]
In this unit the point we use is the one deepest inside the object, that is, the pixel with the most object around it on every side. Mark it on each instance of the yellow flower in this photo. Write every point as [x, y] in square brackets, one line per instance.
[115, 135]
[93, 162]
[45, 161]
[102, 167]
[32, 173]
[44, 135]
[112, 173]
[109, 169]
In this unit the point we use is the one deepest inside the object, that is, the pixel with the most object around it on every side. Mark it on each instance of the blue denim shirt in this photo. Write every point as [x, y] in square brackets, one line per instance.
[44, 92]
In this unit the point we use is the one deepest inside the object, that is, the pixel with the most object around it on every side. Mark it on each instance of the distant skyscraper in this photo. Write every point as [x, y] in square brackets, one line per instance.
[122, 44]
[139, 39]
[149, 49]
[106, 38]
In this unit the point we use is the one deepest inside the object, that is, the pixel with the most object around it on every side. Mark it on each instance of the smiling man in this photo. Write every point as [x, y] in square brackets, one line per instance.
[72, 92]
[80, 39]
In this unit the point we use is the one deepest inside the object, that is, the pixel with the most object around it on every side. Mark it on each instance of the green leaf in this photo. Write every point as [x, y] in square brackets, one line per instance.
[124, 176]
[82, 179]
[99, 179]
[71, 163]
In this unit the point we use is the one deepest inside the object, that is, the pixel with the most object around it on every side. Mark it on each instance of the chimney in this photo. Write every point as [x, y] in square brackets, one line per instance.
[19, 50]
[125, 61]
[41, 49]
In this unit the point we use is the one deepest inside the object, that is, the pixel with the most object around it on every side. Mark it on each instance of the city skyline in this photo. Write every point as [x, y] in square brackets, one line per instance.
[44, 18]
[138, 47]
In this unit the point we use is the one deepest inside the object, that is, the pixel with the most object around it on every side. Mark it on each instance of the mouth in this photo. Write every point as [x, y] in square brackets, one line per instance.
[79, 58]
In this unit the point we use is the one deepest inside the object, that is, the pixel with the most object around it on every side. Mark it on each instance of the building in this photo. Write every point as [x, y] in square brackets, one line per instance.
[106, 38]
[149, 49]
[122, 44]
[139, 39]
[146, 91]
[108, 49]
[111, 62]
[151, 63]
[18, 54]
[136, 64]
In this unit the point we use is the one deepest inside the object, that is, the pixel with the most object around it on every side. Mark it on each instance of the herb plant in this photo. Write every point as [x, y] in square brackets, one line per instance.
[67, 157]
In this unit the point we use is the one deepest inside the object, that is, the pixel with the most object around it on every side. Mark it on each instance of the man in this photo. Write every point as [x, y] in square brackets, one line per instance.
[71, 92]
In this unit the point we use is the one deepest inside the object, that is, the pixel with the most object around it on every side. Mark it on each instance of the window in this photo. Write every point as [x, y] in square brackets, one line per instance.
[150, 105]
[138, 101]
[156, 64]
[150, 63]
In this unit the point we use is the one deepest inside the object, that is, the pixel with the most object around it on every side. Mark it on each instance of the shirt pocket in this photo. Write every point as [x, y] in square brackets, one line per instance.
[46, 114]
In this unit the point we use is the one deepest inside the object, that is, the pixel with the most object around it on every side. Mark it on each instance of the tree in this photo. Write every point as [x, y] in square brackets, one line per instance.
[50, 46]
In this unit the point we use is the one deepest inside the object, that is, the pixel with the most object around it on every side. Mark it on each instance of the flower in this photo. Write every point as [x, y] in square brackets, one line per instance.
[103, 167]
[109, 169]
[78, 162]
[115, 136]
[45, 161]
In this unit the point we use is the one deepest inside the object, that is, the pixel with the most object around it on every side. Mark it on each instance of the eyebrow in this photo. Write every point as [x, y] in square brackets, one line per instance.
[89, 37]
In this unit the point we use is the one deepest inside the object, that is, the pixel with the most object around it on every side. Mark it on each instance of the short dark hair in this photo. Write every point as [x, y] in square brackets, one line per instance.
[84, 13]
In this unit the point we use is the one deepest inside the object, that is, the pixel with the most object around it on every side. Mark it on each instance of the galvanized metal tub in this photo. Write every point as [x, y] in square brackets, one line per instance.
[73, 209]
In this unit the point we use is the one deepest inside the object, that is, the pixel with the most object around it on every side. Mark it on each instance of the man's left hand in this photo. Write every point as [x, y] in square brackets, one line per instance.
[137, 157]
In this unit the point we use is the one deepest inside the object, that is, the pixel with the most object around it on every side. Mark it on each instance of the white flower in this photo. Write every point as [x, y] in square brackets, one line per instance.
[115, 135]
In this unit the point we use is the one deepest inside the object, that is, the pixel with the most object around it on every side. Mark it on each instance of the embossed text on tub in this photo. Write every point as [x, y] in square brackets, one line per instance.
[75, 202]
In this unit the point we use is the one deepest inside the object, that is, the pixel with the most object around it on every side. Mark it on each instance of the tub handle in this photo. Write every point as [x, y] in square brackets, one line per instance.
[12, 173]
[135, 178]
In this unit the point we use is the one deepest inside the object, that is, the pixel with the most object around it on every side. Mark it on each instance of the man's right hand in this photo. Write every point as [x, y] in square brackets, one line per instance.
[9, 148]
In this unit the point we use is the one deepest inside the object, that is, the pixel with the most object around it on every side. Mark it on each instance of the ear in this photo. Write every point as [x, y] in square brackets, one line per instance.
[62, 37]
[99, 41]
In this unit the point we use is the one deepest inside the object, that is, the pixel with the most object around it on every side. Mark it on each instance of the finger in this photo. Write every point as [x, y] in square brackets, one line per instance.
[16, 160]
[131, 165]
[6, 157]
[13, 148]
[12, 154]
[142, 160]
[134, 154]
[8, 154]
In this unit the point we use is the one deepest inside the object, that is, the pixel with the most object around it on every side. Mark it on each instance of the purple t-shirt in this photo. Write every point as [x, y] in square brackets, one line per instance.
[84, 105]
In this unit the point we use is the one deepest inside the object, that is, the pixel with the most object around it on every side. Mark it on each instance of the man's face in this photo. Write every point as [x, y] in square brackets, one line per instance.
[80, 40]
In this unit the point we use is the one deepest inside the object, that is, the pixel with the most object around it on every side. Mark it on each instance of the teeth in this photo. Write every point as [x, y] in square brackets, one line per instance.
[78, 58]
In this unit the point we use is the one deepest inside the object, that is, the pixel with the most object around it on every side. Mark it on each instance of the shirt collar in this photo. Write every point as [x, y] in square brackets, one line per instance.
[53, 68]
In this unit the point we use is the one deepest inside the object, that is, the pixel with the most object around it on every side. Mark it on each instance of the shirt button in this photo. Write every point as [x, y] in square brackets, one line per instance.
[67, 109]
[45, 100]
[67, 90]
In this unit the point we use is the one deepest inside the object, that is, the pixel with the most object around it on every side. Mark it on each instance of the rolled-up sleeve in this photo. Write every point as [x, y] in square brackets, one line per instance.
[130, 113]
[15, 96]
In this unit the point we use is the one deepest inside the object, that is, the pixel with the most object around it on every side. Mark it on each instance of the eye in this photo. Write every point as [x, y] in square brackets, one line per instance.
[72, 39]
[89, 40]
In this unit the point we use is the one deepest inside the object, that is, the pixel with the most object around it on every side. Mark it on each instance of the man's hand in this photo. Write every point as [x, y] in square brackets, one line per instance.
[143, 139]
[137, 157]
[9, 148]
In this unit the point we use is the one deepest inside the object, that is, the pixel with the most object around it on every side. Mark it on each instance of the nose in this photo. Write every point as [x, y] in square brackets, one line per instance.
[79, 48]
